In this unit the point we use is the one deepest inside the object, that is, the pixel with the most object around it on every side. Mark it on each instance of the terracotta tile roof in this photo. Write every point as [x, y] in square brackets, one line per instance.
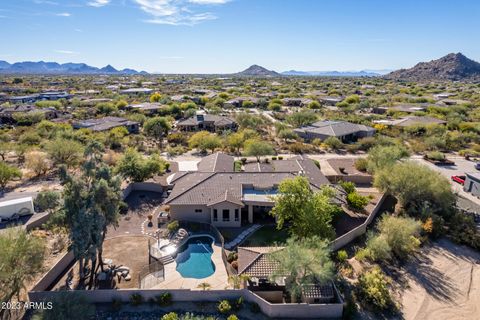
[318, 291]
[255, 261]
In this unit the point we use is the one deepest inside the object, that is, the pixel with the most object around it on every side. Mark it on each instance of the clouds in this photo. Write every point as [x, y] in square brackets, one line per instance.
[63, 14]
[177, 12]
[98, 3]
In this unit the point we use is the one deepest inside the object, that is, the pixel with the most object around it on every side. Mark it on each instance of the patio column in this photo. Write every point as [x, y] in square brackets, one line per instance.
[250, 213]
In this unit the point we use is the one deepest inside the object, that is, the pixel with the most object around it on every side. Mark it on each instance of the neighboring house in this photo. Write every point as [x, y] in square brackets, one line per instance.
[412, 121]
[136, 91]
[147, 108]
[218, 195]
[107, 123]
[255, 263]
[345, 131]
[296, 102]
[472, 183]
[54, 95]
[7, 113]
[208, 122]
[407, 108]
[341, 169]
[31, 98]
[330, 101]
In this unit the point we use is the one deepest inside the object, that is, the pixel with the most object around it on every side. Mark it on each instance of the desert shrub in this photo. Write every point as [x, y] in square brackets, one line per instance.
[136, 299]
[356, 201]
[361, 164]
[436, 155]
[348, 186]
[373, 289]
[173, 226]
[232, 256]
[164, 299]
[299, 148]
[463, 230]
[224, 306]
[170, 316]
[333, 143]
[235, 264]
[378, 249]
[317, 163]
[232, 317]
[342, 256]
[400, 233]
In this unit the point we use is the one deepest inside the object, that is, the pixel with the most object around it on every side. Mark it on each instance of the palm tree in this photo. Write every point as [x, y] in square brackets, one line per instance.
[204, 286]
[238, 280]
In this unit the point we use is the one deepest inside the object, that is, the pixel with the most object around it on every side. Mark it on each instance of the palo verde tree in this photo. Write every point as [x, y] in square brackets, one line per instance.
[308, 213]
[303, 262]
[157, 128]
[21, 259]
[91, 204]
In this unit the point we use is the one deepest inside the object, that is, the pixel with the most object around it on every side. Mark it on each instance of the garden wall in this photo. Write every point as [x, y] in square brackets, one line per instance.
[290, 310]
[358, 231]
[142, 186]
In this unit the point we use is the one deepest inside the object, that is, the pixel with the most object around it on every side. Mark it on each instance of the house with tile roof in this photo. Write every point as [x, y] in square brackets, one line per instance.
[343, 130]
[256, 263]
[208, 122]
[219, 195]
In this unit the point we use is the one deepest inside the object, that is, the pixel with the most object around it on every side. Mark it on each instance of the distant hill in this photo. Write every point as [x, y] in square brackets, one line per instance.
[258, 71]
[362, 73]
[454, 67]
[41, 67]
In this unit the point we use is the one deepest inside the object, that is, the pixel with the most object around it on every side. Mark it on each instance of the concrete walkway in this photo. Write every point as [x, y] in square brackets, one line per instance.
[242, 236]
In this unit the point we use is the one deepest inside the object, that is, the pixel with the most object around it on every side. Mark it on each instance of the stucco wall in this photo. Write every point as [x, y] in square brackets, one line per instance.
[231, 222]
[187, 212]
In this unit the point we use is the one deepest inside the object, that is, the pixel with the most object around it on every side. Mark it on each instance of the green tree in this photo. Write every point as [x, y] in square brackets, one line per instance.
[302, 118]
[64, 152]
[304, 261]
[133, 166]
[21, 259]
[373, 288]
[106, 108]
[91, 204]
[8, 173]
[257, 148]
[309, 213]
[380, 157]
[417, 187]
[157, 128]
[333, 143]
[46, 201]
[156, 97]
[235, 141]
[205, 140]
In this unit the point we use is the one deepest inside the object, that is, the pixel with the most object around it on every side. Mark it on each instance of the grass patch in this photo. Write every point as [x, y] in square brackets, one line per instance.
[267, 236]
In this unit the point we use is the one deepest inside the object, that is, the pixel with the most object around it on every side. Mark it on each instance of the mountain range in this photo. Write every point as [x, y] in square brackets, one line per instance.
[362, 73]
[452, 67]
[42, 67]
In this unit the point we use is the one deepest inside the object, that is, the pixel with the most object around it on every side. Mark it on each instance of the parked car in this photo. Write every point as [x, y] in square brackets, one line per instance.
[459, 179]
[477, 165]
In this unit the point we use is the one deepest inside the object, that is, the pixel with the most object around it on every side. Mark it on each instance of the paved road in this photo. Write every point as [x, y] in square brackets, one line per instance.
[461, 166]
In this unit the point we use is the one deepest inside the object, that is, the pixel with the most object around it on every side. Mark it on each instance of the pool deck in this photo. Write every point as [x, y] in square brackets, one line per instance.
[218, 280]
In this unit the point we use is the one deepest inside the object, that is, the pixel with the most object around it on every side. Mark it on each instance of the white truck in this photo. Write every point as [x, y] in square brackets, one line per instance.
[11, 209]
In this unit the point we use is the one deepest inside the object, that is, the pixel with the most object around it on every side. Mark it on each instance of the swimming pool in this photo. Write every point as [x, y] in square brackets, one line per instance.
[194, 258]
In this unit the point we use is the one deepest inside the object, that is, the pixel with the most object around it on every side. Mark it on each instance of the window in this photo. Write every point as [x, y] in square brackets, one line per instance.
[215, 215]
[198, 210]
[236, 214]
[226, 215]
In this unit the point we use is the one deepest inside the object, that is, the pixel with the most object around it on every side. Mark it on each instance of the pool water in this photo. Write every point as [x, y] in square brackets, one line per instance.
[194, 259]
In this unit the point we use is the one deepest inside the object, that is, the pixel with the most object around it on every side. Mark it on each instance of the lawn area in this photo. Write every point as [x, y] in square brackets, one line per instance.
[266, 236]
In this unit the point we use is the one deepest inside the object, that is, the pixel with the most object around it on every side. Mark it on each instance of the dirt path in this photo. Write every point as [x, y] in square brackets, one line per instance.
[443, 283]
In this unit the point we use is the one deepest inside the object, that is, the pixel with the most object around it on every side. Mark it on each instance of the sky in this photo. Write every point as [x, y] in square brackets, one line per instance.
[223, 36]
